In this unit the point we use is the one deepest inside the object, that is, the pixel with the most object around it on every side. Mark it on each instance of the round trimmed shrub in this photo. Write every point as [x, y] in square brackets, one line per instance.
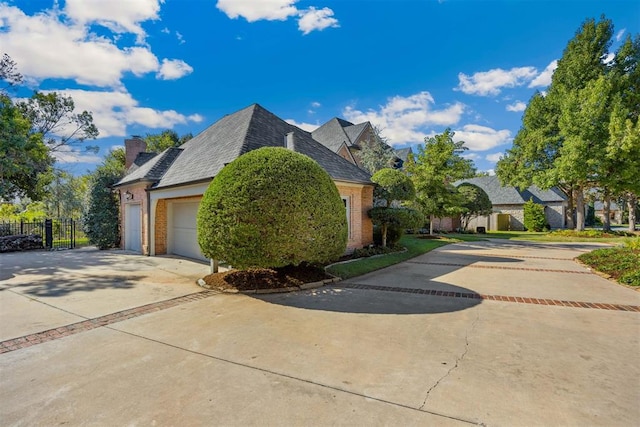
[272, 207]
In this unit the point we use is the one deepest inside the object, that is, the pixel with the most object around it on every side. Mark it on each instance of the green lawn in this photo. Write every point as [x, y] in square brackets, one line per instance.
[416, 246]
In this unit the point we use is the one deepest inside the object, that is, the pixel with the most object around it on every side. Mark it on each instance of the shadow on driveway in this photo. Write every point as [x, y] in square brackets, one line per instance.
[373, 301]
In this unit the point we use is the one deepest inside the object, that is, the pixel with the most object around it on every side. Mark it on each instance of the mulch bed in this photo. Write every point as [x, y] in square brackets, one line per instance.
[265, 278]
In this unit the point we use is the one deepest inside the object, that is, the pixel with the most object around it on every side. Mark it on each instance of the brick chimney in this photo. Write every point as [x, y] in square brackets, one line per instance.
[132, 147]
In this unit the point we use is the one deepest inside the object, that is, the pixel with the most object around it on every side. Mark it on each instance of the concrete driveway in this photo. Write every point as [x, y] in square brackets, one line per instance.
[490, 333]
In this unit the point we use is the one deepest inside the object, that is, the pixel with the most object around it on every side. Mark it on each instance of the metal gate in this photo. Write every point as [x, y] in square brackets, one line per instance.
[59, 234]
[56, 233]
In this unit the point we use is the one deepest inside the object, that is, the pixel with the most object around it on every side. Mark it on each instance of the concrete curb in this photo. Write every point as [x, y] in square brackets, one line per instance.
[303, 287]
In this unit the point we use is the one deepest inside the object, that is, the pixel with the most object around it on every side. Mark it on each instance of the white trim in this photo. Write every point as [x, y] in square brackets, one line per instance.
[182, 191]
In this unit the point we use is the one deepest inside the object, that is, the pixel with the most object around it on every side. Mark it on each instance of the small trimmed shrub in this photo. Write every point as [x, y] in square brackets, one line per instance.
[271, 208]
[534, 219]
[394, 234]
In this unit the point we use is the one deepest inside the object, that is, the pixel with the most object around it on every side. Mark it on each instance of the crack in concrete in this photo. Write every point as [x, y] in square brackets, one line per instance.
[454, 367]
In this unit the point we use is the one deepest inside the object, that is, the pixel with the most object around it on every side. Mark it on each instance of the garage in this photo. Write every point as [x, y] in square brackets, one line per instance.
[182, 239]
[133, 230]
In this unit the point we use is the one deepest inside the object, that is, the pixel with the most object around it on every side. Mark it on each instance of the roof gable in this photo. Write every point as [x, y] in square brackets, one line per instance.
[332, 134]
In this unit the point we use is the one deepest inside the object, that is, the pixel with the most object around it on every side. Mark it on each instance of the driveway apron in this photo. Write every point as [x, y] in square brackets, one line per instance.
[478, 333]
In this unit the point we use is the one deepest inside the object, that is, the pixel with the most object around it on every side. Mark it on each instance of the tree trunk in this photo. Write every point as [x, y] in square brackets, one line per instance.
[431, 225]
[384, 235]
[632, 200]
[579, 197]
[606, 210]
[568, 215]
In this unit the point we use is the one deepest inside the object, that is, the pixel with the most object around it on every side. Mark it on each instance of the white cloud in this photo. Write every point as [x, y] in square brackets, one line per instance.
[471, 156]
[120, 16]
[482, 138]
[311, 19]
[403, 119]
[544, 78]
[620, 34]
[517, 106]
[256, 10]
[173, 69]
[609, 57]
[316, 104]
[47, 46]
[314, 19]
[491, 82]
[113, 111]
[180, 38]
[494, 157]
[304, 126]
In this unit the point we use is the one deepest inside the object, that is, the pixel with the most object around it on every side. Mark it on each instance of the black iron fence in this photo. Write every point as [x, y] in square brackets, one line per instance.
[55, 233]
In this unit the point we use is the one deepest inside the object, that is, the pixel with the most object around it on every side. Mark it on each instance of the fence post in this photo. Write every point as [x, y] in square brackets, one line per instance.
[73, 234]
[21, 226]
[48, 234]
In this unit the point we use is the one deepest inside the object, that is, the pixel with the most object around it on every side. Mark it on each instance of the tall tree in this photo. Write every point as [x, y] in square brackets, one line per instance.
[9, 73]
[53, 116]
[24, 159]
[392, 186]
[375, 153]
[101, 217]
[158, 142]
[475, 201]
[433, 171]
[66, 194]
[550, 148]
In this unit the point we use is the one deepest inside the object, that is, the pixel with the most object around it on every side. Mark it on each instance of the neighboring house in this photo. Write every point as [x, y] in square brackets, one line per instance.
[615, 213]
[508, 205]
[161, 193]
[347, 139]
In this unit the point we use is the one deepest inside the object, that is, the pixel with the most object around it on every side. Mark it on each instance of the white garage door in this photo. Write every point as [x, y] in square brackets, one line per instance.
[183, 239]
[133, 235]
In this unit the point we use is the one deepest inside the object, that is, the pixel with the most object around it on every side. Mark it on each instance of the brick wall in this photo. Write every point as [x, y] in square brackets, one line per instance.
[360, 225]
[160, 231]
[138, 196]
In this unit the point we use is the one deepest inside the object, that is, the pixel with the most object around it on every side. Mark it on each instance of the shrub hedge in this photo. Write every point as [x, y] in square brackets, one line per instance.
[270, 208]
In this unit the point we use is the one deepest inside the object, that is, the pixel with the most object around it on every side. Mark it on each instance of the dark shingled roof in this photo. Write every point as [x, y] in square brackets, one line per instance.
[354, 132]
[332, 134]
[202, 157]
[507, 195]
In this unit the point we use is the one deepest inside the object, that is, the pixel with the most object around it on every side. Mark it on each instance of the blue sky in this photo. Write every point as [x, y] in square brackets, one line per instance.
[413, 67]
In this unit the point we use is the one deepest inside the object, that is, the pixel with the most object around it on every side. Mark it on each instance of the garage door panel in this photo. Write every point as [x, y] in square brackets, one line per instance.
[184, 238]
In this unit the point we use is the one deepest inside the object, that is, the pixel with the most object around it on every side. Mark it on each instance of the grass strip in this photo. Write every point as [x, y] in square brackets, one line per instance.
[415, 246]
[621, 263]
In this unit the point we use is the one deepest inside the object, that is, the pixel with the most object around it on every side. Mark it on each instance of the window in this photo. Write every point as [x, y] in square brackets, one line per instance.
[347, 205]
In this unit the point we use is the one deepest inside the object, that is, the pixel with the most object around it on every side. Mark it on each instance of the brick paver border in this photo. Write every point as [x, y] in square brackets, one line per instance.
[499, 267]
[86, 325]
[503, 298]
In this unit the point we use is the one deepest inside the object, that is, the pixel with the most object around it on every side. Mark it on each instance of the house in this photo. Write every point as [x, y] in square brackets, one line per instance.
[347, 139]
[615, 213]
[508, 205]
[160, 193]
